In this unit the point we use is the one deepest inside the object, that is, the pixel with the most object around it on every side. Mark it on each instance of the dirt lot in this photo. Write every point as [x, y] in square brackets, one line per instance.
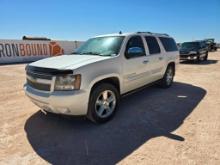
[179, 125]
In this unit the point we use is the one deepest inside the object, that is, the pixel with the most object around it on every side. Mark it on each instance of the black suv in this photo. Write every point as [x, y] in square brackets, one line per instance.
[196, 50]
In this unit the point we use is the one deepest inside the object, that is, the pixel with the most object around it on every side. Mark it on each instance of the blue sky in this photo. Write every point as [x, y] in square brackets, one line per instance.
[80, 19]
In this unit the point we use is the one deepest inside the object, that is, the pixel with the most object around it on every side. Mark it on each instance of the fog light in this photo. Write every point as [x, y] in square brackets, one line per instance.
[63, 110]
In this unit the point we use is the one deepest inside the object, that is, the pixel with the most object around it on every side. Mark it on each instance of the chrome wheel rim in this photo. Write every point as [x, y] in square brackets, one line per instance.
[169, 77]
[105, 103]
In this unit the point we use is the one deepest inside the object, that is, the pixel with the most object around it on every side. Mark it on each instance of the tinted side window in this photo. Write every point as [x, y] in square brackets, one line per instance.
[152, 44]
[168, 43]
[203, 45]
[135, 41]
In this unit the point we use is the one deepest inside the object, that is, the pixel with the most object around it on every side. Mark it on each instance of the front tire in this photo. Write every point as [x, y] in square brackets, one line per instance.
[167, 79]
[206, 57]
[103, 103]
[198, 59]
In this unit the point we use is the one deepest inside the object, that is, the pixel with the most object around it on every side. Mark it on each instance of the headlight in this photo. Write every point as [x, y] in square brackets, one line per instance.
[67, 82]
[192, 52]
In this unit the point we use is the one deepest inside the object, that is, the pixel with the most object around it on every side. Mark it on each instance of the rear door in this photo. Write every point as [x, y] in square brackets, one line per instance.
[170, 50]
[157, 58]
[203, 49]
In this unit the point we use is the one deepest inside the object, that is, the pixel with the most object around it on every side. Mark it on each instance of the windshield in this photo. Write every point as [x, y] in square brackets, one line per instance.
[102, 46]
[209, 41]
[190, 45]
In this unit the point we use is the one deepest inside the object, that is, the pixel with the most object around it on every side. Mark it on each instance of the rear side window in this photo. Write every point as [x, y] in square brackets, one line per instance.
[152, 44]
[169, 44]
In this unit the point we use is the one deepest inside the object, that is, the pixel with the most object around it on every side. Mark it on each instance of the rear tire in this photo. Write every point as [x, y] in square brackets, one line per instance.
[167, 79]
[103, 103]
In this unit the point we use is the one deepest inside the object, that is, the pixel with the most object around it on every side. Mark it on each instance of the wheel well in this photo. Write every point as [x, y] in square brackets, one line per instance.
[111, 80]
[172, 64]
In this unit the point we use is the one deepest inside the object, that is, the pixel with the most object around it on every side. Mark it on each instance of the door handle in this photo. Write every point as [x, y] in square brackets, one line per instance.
[160, 58]
[145, 61]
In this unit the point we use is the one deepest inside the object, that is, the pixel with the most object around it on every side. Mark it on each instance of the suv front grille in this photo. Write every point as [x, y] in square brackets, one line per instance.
[41, 78]
[39, 81]
[184, 52]
[39, 86]
[39, 75]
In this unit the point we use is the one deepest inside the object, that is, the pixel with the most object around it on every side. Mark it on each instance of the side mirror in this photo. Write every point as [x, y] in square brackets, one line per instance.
[134, 52]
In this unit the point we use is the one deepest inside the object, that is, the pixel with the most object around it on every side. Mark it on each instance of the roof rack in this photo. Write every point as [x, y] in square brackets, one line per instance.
[154, 33]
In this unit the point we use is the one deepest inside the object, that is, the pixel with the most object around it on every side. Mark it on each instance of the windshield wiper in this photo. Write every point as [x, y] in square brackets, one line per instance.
[90, 53]
[74, 53]
[93, 53]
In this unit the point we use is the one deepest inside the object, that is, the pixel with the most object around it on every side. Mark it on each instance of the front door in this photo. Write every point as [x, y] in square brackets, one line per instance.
[135, 70]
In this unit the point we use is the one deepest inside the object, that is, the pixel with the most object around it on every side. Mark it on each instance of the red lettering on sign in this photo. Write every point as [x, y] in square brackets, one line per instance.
[22, 49]
[34, 51]
[28, 49]
[45, 49]
[39, 49]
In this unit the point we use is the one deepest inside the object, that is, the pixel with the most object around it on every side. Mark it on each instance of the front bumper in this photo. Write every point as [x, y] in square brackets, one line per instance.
[60, 102]
[188, 56]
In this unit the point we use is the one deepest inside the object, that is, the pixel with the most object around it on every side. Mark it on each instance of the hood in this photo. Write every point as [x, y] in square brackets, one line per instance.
[68, 61]
[188, 49]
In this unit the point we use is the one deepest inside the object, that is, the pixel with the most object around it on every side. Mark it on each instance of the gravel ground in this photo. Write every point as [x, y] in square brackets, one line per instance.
[179, 125]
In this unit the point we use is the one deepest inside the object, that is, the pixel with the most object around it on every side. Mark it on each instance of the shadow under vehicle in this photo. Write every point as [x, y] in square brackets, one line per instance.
[208, 62]
[147, 113]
